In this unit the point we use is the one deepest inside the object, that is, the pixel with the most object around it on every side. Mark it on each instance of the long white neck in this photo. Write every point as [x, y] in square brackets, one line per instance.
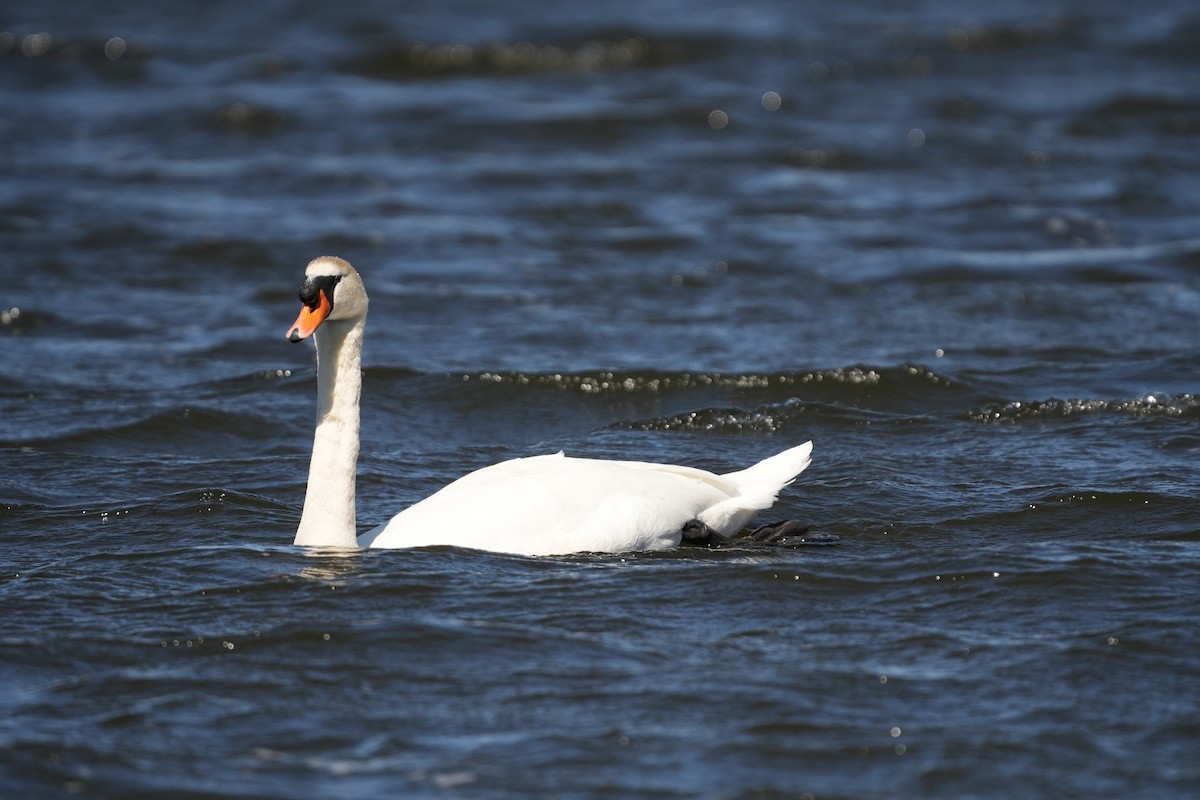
[328, 519]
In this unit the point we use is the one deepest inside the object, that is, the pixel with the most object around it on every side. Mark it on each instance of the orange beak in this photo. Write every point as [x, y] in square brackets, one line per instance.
[310, 319]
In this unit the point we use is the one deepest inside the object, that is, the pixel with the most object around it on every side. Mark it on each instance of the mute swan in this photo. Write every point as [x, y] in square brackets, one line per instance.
[542, 505]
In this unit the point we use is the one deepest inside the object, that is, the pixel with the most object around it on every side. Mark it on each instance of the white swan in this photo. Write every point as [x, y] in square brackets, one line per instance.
[543, 505]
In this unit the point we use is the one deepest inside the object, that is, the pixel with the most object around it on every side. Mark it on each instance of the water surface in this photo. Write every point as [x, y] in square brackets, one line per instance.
[953, 244]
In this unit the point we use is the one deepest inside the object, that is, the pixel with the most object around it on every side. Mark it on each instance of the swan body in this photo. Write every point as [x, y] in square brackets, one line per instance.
[541, 505]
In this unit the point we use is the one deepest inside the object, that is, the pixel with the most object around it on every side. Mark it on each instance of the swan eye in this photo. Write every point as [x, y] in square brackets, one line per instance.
[310, 292]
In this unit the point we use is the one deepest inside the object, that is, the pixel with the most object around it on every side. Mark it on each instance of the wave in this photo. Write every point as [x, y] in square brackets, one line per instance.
[154, 518]
[1158, 113]
[1082, 257]
[772, 417]
[113, 57]
[618, 382]
[1101, 263]
[766, 419]
[998, 37]
[399, 60]
[188, 429]
[1182, 405]
[232, 416]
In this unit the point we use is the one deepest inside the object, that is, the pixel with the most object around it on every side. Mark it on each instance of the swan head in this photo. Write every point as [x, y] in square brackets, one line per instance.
[332, 292]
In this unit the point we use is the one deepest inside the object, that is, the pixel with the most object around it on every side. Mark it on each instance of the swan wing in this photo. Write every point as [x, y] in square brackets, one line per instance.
[552, 504]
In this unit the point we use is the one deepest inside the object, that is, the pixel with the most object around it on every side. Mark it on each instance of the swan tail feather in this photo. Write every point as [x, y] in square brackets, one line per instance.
[757, 488]
[774, 473]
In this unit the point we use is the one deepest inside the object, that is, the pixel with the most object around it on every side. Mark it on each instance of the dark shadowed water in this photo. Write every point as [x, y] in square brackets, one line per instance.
[957, 245]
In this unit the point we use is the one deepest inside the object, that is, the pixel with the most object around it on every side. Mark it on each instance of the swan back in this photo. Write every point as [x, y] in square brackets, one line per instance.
[554, 504]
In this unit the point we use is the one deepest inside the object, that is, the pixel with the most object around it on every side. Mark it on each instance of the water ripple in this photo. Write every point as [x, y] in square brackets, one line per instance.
[1183, 405]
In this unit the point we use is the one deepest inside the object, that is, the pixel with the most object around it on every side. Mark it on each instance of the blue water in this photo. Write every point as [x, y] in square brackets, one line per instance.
[953, 244]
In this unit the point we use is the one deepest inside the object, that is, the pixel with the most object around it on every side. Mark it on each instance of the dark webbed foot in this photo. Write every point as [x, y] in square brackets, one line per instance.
[782, 533]
[697, 534]
[786, 533]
